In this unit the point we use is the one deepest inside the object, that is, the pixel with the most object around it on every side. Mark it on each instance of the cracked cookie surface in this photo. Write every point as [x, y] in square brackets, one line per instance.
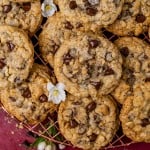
[88, 123]
[100, 12]
[135, 114]
[16, 56]
[25, 15]
[28, 102]
[136, 66]
[88, 65]
[134, 18]
[55, 31]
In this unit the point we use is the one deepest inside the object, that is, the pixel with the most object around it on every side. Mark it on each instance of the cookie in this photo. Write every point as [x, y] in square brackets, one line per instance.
[88, 123]
[149, 32]
[25, 15]
[135, 114]
[100, 12]
[28, 102]
[136, 66]
[88, 65]
[134, 18]
[16, 56]
[55, 31]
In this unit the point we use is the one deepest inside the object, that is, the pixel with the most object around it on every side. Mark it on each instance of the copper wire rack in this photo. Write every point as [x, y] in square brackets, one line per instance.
[42, 129]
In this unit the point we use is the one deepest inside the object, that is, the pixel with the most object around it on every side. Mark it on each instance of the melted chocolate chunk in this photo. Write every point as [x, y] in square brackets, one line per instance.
[68, 25]
[73, 123]
[108, 71]
[97, 85]
[97, 118]
[93, 43]
[12, 99]
[147, 79]
[93, 137]
[2, 64]
[26, 6]
[43, 98]
[124, 51]
[145, 122]
[140, 18]
[73, 5]
[91, 11]
[7, 8]
[90, 107]
[26, 93]
[67, 58]
[10, 46]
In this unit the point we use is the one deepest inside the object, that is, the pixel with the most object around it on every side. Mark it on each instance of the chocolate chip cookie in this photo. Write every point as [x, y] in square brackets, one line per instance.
[25, 15]
[88, 123]
[88, 65]
[28, 102]
[134, 18]
[136, 65]
[100, 12]
[55, 31]
[16, 56]
[135, 114]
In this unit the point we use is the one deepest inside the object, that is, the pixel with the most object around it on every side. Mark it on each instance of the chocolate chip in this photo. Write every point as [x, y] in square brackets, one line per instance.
[91, 11]
[73, 123]
[12, 99]
[82, 129]
[93, 137]
[145, 122]
[33, 108]
[90, 107]
[68, 25]
[2, 64]
[93, 43]
[26, 93]
[43, 98]
[124, 51]
[73, 5]
[26, 6]
[97, 85]
[140, 18]
[147, 79]
[67, 58]
[7, 8]
[10, 46]
[108, 71]
[131, 79]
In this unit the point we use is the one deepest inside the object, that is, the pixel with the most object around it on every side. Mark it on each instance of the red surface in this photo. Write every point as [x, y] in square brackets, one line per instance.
[12, 137]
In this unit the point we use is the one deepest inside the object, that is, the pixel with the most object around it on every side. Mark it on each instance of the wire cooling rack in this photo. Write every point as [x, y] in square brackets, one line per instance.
[43, 129]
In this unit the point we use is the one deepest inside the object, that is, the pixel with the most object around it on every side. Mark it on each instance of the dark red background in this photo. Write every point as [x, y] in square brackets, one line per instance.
[12, 137]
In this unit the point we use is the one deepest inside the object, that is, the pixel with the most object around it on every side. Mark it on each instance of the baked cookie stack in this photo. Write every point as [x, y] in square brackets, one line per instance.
[23, 84]
[97, 72]
[94, 69]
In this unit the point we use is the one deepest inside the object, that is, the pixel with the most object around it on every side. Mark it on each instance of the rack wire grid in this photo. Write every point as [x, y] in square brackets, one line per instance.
[42, 129]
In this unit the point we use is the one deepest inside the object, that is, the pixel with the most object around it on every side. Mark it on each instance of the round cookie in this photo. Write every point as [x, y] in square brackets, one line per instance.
[55, 31]
[88, 123]
[100, 12]
[135, 114]
[88, 65]
[136, 66]
[134, 18]
[16, 56]
[28, 102]
[25, 15]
